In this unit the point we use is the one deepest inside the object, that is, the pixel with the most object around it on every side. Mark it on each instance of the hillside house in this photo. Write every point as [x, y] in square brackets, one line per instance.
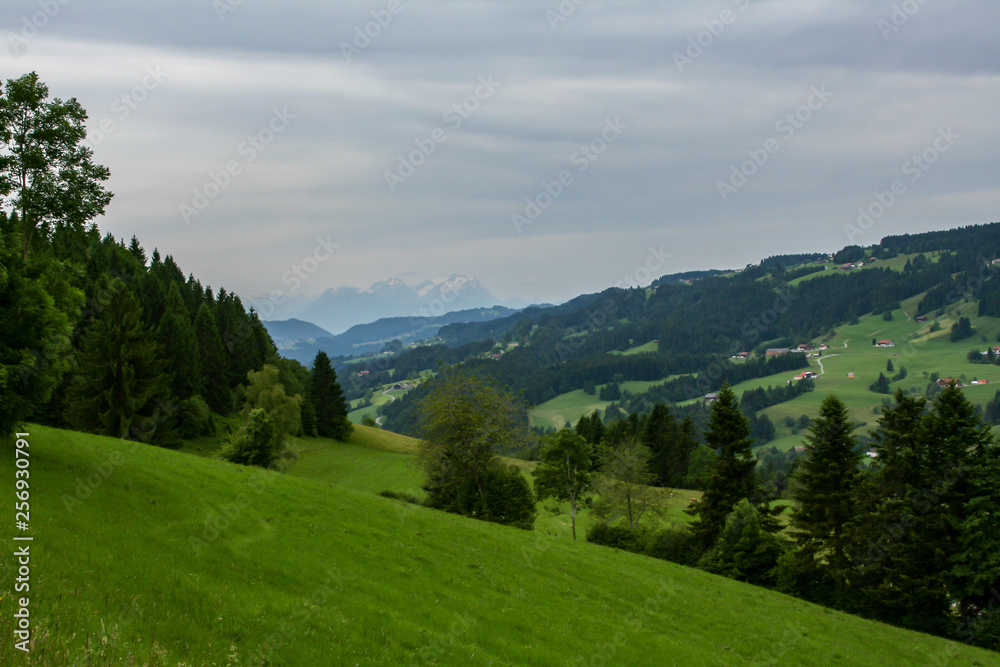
[846, 267]
[885, 343]
[806, 375]
[944, 382]
[776, 351]
[806, 347]
[712, 397]
[741, 355]
[921, 318]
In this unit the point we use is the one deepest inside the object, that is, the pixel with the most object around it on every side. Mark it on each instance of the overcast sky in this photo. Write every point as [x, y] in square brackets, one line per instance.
[647, 112]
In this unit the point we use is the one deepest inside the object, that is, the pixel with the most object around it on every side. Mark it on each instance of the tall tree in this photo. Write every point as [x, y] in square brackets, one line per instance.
[176, 338]
[119, 388]
[35, 331]
[660, 436]
[823, 487]
[328, 400]
[46, 173]
[464, 420]
[213, 361]
[563, 472]
[624, 485]
[732, 478]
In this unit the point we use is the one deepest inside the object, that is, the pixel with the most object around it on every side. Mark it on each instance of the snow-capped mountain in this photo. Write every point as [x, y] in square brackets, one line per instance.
[338, 309]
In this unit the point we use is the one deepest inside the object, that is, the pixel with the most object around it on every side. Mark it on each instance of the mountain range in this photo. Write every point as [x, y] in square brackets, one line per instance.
[338, 309]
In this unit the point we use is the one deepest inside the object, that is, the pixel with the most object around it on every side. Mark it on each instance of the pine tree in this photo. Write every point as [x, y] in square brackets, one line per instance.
[744, 550]
[213, 361]
[732, 478]
[824, 489]
[922, 498]
[328, 400]
[180, 346]
[660, 436]
[119, 387]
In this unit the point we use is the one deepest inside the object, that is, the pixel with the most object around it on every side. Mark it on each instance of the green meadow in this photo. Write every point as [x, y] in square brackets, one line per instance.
[145, 556]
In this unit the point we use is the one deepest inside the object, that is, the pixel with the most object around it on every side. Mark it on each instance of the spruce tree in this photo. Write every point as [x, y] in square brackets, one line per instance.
[732, 477]
[180, 346]
[119, 387]
[212, 361]
[660, 436]
[328, 400]
[823, 486]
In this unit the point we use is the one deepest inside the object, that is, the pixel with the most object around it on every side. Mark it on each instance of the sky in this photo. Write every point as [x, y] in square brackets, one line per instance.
[548, 149]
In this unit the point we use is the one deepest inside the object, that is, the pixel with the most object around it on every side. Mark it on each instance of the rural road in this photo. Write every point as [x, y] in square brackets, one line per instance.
[819, 360]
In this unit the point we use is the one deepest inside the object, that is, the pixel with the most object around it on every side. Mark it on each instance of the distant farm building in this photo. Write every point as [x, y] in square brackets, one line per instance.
[712, 397]
[944, 382]
[776, 351]
[885, 343]
[807, 375]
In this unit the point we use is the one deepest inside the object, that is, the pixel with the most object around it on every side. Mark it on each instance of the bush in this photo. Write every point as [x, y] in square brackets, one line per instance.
[744, 551]
[400, 495]
[675, 544]
[255, 443]
[194, 418]
[618, 536]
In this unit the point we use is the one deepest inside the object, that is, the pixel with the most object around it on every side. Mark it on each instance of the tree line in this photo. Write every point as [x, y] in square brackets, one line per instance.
[99, 337]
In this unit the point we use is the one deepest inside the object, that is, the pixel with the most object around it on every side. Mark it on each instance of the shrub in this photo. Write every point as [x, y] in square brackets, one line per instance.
[618, 536]
[400, 495]
[194, 418]
[255, 443]
[675, 544]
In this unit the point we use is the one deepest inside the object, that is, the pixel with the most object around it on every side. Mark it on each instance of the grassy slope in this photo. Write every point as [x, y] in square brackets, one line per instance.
[374, 460]
[311, 575]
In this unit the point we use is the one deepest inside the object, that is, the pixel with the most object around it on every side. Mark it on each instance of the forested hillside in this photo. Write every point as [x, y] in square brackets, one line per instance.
[697, 325]
[99, 335]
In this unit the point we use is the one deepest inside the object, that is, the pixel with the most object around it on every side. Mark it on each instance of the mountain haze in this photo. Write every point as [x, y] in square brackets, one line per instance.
[338, 309]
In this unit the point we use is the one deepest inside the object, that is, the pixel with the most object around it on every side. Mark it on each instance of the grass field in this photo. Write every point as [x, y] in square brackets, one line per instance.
[148, 556]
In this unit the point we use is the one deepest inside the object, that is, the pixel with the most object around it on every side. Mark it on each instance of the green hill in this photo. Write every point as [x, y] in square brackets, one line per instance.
[148, 556]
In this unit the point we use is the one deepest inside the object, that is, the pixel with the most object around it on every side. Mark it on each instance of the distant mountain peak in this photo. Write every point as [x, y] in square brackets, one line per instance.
[338, 309]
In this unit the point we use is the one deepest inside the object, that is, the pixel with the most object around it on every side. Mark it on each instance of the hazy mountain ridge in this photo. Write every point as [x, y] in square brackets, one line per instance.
[373, 336]
[338, 309]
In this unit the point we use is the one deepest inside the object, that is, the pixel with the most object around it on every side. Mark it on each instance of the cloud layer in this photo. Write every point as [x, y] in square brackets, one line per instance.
[473, 137]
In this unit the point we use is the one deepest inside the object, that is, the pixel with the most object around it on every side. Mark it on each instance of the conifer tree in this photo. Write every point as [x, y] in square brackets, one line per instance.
[660, 436]
[119, 387]
[823, 487]
[213, 361]
[732, 478]
[328, 400]
[180, 346]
